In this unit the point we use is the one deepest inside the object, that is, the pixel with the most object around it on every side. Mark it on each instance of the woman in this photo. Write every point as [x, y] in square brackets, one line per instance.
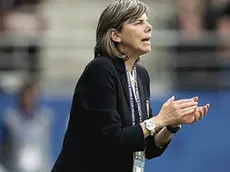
[108, 130]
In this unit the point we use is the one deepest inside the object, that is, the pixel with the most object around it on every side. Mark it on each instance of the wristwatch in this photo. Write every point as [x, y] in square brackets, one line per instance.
[173, 130]
[150, 126]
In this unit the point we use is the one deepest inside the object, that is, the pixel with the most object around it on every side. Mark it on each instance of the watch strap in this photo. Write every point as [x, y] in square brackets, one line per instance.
[173, 130]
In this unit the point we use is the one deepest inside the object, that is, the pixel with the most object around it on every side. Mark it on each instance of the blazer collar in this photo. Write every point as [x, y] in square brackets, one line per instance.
[119, 64]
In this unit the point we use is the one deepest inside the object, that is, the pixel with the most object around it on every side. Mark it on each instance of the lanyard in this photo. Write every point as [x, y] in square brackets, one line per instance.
[134, 92]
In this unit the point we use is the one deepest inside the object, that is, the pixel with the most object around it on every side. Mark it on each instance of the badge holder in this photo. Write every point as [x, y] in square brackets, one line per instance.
[138, 161]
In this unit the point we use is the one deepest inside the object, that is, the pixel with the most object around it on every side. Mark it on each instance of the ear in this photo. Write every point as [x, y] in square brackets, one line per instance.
[115, 36]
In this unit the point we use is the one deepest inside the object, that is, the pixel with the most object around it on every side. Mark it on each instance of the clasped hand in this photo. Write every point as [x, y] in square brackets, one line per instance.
[183, 111]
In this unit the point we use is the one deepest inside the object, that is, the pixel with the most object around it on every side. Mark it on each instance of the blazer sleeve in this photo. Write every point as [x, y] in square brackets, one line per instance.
[152, 150]
[95, 104]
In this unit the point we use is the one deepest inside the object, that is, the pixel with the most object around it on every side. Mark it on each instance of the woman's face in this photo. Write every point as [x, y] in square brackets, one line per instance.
[134, 38]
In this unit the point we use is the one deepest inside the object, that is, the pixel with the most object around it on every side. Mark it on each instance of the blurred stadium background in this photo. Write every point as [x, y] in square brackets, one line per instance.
[51, 41]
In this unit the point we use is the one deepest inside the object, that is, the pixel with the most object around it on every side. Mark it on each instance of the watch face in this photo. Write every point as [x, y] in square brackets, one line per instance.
[150, 125]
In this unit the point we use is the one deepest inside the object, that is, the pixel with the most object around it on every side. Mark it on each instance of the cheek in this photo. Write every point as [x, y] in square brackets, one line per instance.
[133, 37]
[137, 43]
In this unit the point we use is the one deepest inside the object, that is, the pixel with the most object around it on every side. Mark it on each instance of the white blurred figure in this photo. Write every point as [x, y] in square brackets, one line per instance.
[29, 128]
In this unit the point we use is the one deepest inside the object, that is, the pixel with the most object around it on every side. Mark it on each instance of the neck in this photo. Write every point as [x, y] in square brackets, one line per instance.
[28, 109]
[130, 63]
[132, 57]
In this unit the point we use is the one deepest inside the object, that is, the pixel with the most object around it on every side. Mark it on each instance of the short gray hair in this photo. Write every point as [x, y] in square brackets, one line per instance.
[114, 16]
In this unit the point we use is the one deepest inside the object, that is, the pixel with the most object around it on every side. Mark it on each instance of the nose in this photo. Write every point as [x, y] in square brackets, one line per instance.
[148, 27]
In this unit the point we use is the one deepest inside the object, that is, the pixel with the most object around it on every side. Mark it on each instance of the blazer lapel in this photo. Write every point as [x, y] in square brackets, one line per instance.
[120, 66]
[124, 83]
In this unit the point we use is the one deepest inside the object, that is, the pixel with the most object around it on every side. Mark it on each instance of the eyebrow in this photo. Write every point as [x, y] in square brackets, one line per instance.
[142, 19]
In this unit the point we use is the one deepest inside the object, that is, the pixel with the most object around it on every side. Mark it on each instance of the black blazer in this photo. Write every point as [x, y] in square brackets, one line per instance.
[100, 136]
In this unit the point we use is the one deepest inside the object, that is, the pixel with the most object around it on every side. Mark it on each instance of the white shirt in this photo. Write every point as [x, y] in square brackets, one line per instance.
[133, 81]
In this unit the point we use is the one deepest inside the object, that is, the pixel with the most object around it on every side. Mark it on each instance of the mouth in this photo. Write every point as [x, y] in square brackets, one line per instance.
[147, 39]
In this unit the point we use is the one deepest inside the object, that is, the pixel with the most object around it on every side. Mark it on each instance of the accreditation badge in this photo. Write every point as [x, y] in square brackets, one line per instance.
[138, 161]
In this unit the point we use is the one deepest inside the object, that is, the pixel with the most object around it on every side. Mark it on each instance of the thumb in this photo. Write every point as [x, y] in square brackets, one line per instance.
[170, 100]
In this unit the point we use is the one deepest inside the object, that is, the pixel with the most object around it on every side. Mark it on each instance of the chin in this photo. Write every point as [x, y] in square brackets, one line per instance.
[146, 50]
[149, 50]
[143, 50]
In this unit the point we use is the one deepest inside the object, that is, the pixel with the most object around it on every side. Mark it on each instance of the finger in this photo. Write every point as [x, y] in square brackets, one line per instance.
[188, 104]
[197, 109]
[196, 98]
[199, 115]
[203, 111]
[170, 100]
[206, 107]
[188, 110]
[196, 114]
[183, 101]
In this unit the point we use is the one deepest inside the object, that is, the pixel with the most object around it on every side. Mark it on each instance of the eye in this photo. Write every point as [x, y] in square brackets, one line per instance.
[138, 22]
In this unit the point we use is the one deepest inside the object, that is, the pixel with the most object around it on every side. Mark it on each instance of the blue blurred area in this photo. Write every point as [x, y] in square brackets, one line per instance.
[201, 147]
